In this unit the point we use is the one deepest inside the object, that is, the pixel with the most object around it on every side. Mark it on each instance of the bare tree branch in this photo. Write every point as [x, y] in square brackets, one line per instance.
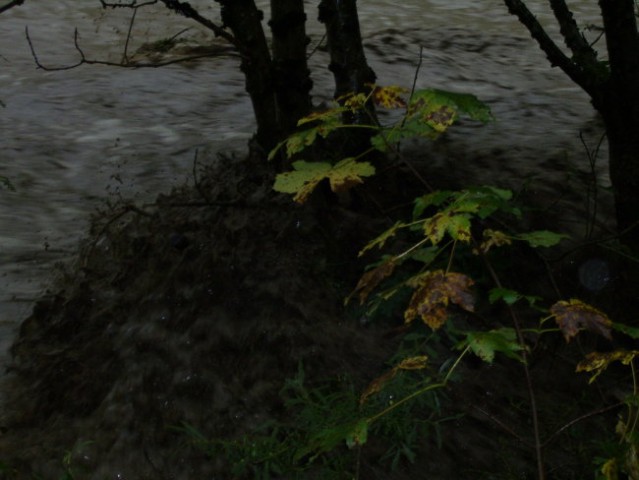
[86, 61]
[582, 51]
[185, 8]
[11, 4]
[556, 57]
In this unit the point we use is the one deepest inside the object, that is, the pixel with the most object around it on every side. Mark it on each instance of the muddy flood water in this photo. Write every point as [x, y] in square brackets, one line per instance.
[73, 139]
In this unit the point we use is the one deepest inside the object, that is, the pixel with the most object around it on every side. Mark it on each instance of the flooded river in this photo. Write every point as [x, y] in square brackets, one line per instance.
[71, 139]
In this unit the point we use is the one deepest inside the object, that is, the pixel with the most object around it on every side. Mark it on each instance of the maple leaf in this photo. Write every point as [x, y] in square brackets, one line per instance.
[457, 226]
[325, 116]
[574, 315]
[347, 173]
[371, 279]
[486, 344]
[306, 176]
[389, 97]
[377, 385]
[492, 238]
[541, 238]
[435, 291]
[597, 362]
[380, 240]
[413, 363]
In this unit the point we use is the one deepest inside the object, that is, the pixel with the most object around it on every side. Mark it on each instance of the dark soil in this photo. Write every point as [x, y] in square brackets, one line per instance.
[196, 309]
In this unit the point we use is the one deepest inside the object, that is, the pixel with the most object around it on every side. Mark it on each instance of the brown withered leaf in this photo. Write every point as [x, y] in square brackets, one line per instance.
[371, 279]
[413, 363]
[376, 385]
[492, 238]
[574, 315]
[597, 362]
[436, 290]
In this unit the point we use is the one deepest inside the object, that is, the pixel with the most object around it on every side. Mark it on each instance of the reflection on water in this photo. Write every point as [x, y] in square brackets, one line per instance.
[71, 138]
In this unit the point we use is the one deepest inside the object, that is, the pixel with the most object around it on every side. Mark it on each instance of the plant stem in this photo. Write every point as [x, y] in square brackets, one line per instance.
[416, 393]
[529, 384]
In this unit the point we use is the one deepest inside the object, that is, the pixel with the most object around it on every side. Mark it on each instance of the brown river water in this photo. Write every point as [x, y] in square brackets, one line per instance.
[71, 139]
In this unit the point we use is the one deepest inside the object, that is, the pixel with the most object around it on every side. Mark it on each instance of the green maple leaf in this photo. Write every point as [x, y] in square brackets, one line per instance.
[307, 175]
[541, 238]
[486, 344]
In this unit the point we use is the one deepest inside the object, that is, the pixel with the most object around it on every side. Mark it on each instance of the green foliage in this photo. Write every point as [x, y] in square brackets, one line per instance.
[452, 235]
[486, 344]
[427, 113]
[303, 180]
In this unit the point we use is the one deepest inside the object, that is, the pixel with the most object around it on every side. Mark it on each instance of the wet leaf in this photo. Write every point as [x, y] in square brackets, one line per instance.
[436, 290]
[332, 115]
[303, 180]
[371, 279]
[509, 297]
[597, 362]
[632, 332]
[435, 227]
[457, 226]
[610, 470]
[347, 173]
[306, 176]
[354, 101]
[358, 435]
[432, 199]
[376, 386]
[541, 238]
[486, 344]
[425, 255]
[381, 239]
[326, 440]
[413, 363]
[492, 238]
[574, 315]
[462, 102]
[389, 97]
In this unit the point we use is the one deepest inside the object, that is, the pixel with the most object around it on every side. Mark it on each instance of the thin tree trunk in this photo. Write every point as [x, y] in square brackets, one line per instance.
[292, 76]
[244, 20]
[620, 111]
[348, 61]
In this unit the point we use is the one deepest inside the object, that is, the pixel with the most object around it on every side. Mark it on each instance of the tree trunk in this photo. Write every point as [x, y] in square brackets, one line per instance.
[620, 111]
[613, 88]
[244, 20]
[292, 76]
[348, 63]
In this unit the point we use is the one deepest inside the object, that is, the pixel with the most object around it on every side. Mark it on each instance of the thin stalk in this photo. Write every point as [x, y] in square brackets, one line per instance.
[529, 384]
[419, 392]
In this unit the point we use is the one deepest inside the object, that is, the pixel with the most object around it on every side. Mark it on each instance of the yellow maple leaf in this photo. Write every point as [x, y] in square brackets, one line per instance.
[597, 362]
[492, 238]
[389, 97]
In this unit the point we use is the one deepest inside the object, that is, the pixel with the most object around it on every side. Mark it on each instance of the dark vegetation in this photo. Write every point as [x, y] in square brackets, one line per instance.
[458, 362]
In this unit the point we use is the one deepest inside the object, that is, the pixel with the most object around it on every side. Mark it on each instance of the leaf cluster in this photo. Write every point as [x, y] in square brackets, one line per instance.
[426, 113]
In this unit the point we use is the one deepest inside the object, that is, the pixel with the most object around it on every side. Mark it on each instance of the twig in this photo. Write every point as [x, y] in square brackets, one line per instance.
[556, 57]
[592, 187]
[579, 419]
[504, 426]
[86, 61]
[529, 384]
